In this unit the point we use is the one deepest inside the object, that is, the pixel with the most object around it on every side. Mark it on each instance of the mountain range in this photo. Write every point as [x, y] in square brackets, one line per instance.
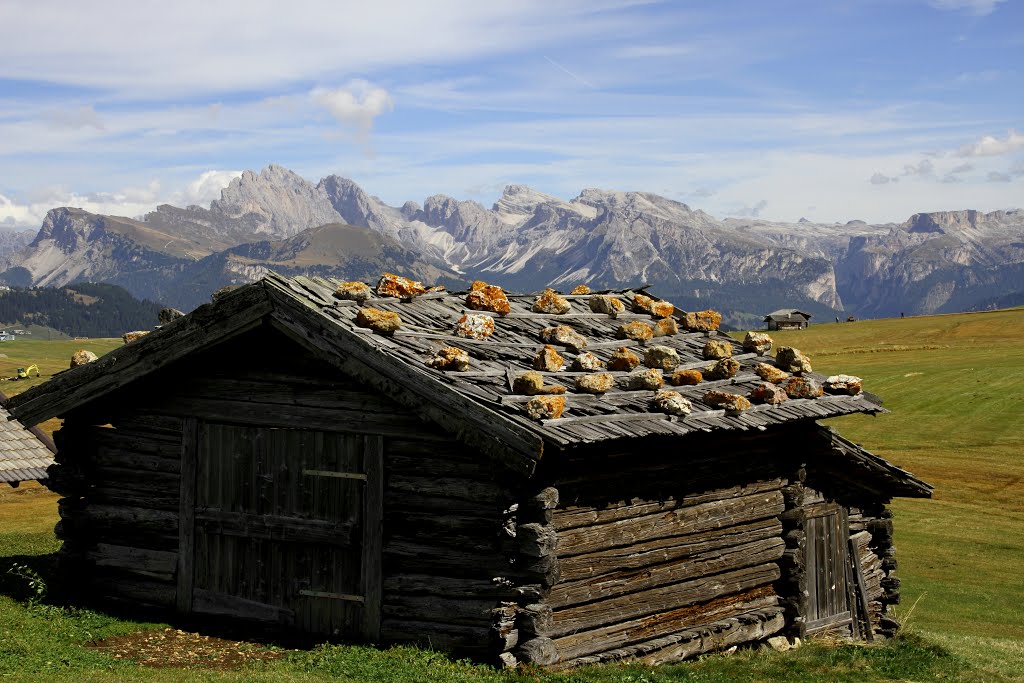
[275, 219]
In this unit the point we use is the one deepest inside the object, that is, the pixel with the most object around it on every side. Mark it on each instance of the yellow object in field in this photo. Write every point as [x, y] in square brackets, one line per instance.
[23, 373]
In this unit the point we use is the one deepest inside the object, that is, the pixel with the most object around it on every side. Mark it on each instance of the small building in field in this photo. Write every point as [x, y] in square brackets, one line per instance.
[267, 458]
[6, 336]
[787, 319]
[25, 453]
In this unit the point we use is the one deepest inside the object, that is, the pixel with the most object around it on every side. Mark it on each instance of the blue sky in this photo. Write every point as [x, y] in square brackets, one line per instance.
[870, 109]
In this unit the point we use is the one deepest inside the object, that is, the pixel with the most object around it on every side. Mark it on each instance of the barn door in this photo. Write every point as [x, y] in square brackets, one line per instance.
[829, 604]
[285, 527]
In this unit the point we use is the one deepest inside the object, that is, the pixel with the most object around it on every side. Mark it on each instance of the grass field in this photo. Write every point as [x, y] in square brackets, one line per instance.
[955, 385]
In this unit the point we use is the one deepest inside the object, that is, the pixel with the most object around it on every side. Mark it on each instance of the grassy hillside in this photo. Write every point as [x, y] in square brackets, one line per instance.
[954, 384]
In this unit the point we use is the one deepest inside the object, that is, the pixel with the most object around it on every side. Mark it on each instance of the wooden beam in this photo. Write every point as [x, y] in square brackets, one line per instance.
[186, 515]
[373, 536]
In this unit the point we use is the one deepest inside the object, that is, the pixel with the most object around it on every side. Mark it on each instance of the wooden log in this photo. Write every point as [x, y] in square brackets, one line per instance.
[450, 487]
[136, 591]
[458, 587]
[625, 607]
[713, 515]
[734, 632]
[155, 564]
[572, 517]
[459, 639]
[440, 609]
[106, 517]
[662, 624]
[667, 549]
[538, 651]
[412, 554]
[633, 580]
[536, 540]
[115, 458]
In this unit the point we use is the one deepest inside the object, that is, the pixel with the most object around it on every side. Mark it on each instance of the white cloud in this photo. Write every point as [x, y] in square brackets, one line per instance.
[882, 179]
[978, 7]
[923, 168]
[962, 168]
[655, 51]
[989, 145]
[133, 201]
[999, 177]
[83, 116]
[355, 105]
[158, 49]
[207, 187]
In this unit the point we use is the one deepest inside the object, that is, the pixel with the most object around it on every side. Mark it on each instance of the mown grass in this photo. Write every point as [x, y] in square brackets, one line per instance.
[954, 384]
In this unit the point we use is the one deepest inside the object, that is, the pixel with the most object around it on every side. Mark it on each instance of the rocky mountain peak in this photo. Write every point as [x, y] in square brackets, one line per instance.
[520, 200]
[69, 228]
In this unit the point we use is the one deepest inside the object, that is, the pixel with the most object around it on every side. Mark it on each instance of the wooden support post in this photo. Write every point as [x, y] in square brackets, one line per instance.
[186, 514]
[858, 580]
[373, 536]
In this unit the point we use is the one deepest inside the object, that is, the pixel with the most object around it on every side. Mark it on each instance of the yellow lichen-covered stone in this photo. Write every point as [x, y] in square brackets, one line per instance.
[450, 358]
[723, 369]
[715, 349]
[563, 335]
[766, 392]
[702, 321]
[580, 289]
[757, 342]
[548, 360]
[129, 337]
[770, 373]
[551, 302]
[662, 309]
[488, 298]
[623, 360]
[666, 327]
[731, 403]
[661, 357]
[384, 322]
[596, 383]
[671, 402]
[477, 285]
[353, 291]
[397, 286]
[849, 385]
[642, 303]
[802, 387]
[587, 362]
[636, 330]
[792, 360]
[649, 379]
[474, 326]
[686, 378]
[82, 357]
[529, 383]
[602, 303]
[545, 407]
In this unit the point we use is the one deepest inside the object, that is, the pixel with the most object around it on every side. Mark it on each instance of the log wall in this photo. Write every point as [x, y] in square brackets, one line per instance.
[658, 557]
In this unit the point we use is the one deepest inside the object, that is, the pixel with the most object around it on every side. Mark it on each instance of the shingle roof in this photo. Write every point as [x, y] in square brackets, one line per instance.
[23, 456]
[477, 404]
[429, 319]
[788, 314]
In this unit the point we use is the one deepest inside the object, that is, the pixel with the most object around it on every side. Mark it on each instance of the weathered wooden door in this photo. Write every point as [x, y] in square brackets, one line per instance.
[283, 525]
[829, 604]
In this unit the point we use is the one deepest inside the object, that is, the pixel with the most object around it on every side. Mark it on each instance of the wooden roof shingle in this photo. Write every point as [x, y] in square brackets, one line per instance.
[24, 453]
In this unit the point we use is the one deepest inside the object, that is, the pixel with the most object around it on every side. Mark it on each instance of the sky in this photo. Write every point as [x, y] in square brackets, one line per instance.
[828, 110]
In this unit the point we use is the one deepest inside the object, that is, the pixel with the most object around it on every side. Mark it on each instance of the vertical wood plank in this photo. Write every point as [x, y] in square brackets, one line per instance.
[373, 535]
[186, 514]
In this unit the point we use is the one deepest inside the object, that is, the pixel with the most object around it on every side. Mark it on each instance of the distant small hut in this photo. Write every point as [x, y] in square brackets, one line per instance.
[557, 480]
[787, 319]
[25, 453]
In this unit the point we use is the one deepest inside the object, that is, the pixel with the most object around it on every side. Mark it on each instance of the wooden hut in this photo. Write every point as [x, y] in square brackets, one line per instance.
[787, 319]
[267, 458]
[25, 452]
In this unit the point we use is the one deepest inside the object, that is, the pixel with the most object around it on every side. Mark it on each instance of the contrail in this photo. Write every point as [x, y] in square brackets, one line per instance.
[581, 80]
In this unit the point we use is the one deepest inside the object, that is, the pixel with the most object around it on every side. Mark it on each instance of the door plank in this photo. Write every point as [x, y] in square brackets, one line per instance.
[373, 535]
[186, 515]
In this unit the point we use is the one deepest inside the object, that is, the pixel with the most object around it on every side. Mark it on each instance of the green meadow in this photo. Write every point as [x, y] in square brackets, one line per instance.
[955, 386]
